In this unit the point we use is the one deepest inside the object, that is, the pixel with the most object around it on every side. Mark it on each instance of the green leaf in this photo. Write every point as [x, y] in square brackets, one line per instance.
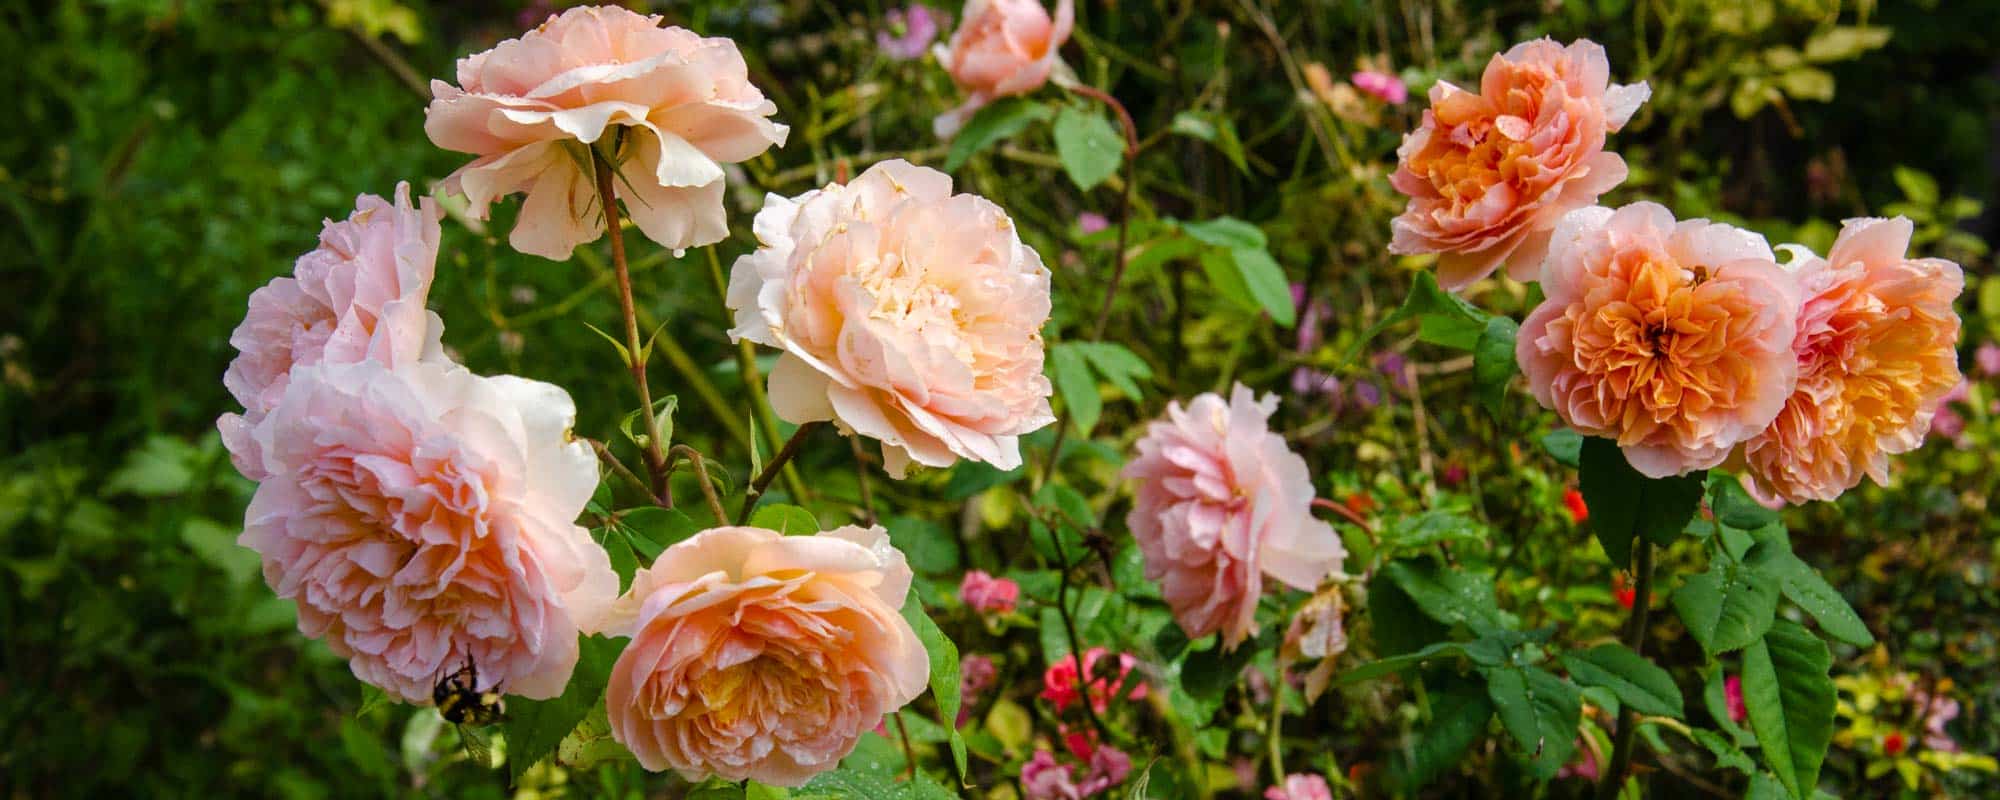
[1089, 148]
[164, 465]
[992, 124]
[651, 529]
[1803, 585]
[1118, 365]
[716, 789]
[1220, 268]
[1076, 385]
[789, 520]
[535, 727]
[972, 477]
[1917, 185]
[1460, 323]
[1764, 786]
[1460, 710]
[1843, 42]
[1431, 527]
[1266, 283]
[1791, 703]
[1625, 504]
[1727, 754]
[1384, 666]
[1450, 596]
[624, 355]
[217, 545]
[1564, 445]
[930, 547]
[1493, 362]
[1540, 711]
[663, 415]
[1637, 681]
[1214, 128]
[1734, 507]
[944, 672]
[1727, 607]
[1228, 233]
[618, 547]
[1207, 674]
[1398, 626]
[591, 743]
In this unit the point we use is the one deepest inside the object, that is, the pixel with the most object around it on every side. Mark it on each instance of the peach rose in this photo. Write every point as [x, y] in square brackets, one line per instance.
[1001, 48]
[1489, 174]
[1221, 503]
[676, 104]
[422, 518]
[906, 314]
[359, 295]
[1877, 348]
[1672, 338]
[761, 656]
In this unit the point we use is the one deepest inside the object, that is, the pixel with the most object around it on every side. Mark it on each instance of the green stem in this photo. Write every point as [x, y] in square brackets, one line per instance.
[707, 486]
[770, 472]
[1635, 638]
[753, 381]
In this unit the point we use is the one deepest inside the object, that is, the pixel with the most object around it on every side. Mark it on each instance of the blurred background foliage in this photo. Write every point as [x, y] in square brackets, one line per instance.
[165, 157]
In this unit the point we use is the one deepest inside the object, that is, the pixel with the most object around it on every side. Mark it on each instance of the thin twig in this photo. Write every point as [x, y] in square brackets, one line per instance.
[396, 64]
[1635, 638]
[909, 752]
[707, 486]
[771, 469]
[1124, 202]
[656, 457]
[604, 454]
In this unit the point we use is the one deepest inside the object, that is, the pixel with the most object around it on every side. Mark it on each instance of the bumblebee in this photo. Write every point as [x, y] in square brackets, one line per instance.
[460, 701]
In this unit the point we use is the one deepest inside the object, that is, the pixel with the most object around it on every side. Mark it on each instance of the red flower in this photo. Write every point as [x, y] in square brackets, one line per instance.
[1105, 681]
[1573, 499]
[1626, 595]
[1360, 503]
[1893, 744]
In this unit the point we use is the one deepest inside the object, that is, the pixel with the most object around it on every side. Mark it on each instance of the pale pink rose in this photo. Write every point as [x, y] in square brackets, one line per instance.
[1488, 174]
[906, 314]
[677, 105]
[762, 656]
[1300, 786]
[1221, 503]
[359, 295]
[1672, 338]
[1876, 349]
[423, 520]
[988, 595]
[1044, 779]
[1001, 48]
[1384, 86]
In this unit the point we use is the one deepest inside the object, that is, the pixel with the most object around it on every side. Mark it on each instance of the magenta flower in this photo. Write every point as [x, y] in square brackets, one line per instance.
[908, 33]
[1384, 86]
[988, 595]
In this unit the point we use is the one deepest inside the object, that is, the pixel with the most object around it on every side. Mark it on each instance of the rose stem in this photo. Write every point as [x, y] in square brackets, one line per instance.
[1635, 637]
[770, 472]
[656, 457]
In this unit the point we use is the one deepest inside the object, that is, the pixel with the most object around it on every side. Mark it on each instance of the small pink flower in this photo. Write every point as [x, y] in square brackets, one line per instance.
[1939, 711]
[1222, 502]
[1091, 222]
[1876, 349]
[1384, 86]
[1672, 338]
[359, 296]
[1489, 173]
[988, 595]
[1732, 694]
[1108, 768]
[1062, 686]
[1585, 765]
[976, 674]
[422, 518]
[905, 313]
[1300, 786]
[908, 33]
[677, 105]
[1044, 779]
[762, 656]
[1988, 359]
[1001, 48]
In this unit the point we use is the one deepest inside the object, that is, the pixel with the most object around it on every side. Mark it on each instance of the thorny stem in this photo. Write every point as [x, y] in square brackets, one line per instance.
[1635, 638]
[604, 455]
[656, 457]
[1075, 641]
[707, 487]
[770, 472]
